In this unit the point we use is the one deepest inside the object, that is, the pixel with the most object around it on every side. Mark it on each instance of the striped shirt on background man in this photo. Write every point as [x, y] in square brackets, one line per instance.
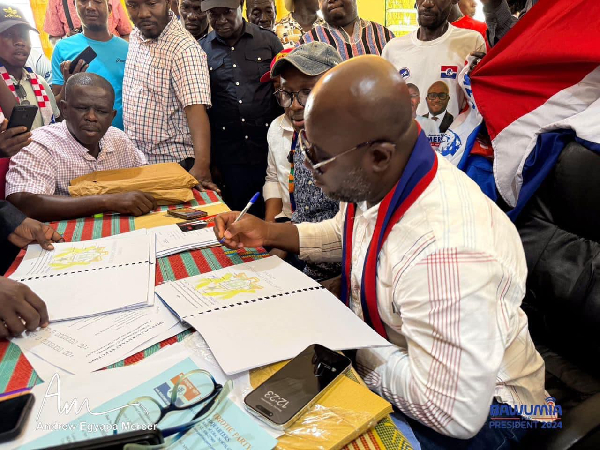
[368, 38]
[162, 77]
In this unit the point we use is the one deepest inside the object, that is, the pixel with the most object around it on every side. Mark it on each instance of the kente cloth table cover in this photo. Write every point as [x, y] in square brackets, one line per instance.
[16, 372]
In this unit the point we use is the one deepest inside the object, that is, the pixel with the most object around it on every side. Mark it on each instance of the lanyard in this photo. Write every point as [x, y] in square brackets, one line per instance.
[418, 174]
[291, 181]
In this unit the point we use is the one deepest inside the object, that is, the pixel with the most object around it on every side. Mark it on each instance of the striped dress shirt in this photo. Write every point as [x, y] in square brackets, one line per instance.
[450, 281]
[162, 77]
[55, 157]
[368, 38]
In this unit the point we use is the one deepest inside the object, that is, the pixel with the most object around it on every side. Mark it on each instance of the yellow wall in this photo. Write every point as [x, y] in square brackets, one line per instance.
[368, 9]
[372, 10]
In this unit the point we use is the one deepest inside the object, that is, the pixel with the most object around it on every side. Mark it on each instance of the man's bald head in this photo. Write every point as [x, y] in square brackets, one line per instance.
[439, 86]
[88, 107]
[362, 101]
[88, 79]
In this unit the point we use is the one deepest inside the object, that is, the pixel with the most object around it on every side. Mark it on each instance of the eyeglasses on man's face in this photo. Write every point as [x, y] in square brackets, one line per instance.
[310, 157]
[286, 98]
[197, 388]
[441, 95]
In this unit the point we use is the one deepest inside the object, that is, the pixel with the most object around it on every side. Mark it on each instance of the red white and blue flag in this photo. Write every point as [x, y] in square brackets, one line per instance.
[538, 89]
[449, 72]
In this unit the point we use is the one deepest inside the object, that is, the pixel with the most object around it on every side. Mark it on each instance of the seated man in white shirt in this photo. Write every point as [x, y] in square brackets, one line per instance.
[428, 261]
[39, 175]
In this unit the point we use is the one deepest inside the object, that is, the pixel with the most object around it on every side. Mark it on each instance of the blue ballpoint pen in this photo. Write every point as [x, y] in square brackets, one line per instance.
[244, 211]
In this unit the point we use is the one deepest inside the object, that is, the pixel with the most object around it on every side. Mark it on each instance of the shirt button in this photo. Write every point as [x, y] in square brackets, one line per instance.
[240, 101]
[237, 83]
[235, 65]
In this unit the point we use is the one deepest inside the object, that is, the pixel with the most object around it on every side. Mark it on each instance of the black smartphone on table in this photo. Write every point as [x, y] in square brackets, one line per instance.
[87, 55]
[287, 394]
[13, 415]
[23, 116]
[115, 442]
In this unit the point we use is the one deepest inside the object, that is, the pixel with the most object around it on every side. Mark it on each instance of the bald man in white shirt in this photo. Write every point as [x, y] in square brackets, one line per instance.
[428, 261]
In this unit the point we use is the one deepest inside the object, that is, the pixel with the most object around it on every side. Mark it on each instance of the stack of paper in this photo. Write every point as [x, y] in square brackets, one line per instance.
[83, 279]
[85, 345]
[171, 240]
[262, 312]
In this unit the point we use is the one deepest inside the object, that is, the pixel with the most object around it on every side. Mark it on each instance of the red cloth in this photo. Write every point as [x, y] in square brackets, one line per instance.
[3, 169]
[471, 24]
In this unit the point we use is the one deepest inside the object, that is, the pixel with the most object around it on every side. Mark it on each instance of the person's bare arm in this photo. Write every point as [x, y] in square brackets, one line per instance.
[253, 232]
[58, 89]
[12, 140]
[199, 126]
[273, 207]
[58, 207]
[20, 309]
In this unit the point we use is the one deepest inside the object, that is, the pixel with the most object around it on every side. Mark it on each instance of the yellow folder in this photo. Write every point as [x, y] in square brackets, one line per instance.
[346, 411]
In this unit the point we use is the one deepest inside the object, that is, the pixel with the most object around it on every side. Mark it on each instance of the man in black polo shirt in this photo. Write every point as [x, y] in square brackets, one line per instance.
[239, 53]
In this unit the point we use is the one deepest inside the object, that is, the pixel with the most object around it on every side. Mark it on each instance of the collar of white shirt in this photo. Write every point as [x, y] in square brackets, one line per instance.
[286, 125]
[439, 118]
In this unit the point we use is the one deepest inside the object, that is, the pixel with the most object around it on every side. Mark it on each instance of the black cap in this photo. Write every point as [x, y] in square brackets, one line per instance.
[11, 16]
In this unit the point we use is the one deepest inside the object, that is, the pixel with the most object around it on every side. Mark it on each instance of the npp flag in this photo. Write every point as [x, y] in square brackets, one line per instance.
[538, 89]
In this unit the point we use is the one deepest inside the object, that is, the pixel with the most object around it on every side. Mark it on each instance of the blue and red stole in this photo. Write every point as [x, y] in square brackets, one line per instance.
[418, 174]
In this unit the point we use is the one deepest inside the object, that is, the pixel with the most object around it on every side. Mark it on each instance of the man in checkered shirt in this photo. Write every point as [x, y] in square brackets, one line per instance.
[166, 91]
[39, 175]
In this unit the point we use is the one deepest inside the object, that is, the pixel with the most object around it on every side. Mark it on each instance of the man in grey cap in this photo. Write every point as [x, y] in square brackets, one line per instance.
[15, 47]
[239, 52]
[299, 71]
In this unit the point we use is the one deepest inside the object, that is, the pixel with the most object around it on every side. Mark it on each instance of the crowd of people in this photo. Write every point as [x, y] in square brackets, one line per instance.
[336, 121]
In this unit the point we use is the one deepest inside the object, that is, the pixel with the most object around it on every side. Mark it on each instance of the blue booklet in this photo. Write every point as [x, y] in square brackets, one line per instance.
[227, 427]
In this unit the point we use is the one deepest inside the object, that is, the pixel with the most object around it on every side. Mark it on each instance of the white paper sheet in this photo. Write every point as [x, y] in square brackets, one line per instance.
[171, 240]
[83, 279]
[261, 333]
[86, 345]
[83, 255]
[264, 311]
[228, 287]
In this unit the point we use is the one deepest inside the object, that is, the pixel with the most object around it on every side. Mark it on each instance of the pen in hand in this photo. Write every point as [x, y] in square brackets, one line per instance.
[244, 211]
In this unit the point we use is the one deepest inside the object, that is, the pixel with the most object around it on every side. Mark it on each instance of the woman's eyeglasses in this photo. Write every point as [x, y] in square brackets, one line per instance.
[195, 388]
[286, 98]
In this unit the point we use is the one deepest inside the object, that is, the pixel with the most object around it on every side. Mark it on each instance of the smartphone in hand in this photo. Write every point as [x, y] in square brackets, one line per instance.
[87, 55]
[23, 116]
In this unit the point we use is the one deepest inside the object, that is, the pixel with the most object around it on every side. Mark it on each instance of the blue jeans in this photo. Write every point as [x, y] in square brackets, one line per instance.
[488, 438]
